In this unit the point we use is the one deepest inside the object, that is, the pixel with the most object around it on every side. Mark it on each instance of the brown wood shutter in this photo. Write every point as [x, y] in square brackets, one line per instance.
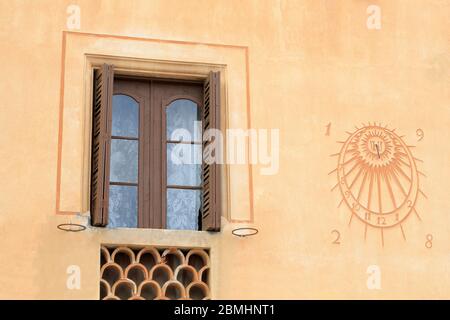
[102, 100]
[211, 204]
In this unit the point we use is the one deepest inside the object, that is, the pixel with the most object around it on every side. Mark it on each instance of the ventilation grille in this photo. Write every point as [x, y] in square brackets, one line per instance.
[149, 273]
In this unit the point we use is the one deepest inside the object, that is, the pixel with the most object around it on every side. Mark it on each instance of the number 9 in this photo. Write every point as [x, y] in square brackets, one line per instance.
[420, 134]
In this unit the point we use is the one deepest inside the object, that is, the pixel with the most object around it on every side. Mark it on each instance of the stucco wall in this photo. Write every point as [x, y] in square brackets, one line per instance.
[311, 63]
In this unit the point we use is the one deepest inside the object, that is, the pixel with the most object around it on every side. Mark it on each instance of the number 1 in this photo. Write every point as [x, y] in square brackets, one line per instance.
[328, 126]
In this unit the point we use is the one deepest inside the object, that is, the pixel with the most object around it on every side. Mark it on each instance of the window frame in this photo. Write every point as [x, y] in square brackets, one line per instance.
[165, 103]
[126, 88]
[147, 217]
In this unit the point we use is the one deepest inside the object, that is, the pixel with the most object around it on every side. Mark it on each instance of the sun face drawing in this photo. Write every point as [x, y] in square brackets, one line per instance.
[378, 178]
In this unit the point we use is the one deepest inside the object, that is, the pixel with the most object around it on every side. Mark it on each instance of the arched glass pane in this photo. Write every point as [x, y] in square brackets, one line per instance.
[125, 116]
[183, 209]
[183, 114]
[183, 164]
[122, 207]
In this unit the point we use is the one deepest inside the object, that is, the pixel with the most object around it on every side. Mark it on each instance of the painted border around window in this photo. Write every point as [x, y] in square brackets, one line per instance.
[81, 52]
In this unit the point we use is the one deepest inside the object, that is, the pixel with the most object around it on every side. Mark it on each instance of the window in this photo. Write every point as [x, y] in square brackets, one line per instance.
[147, 150]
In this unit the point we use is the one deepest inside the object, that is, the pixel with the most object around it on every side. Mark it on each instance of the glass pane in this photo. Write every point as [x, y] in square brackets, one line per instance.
[125, 116]
[184, 164]
[122, 207]
[182, 114]
[124, 161]
[183, 209]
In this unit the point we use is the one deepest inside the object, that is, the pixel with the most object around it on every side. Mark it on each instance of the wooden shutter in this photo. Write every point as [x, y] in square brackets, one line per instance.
[211, 204]
[102, 100]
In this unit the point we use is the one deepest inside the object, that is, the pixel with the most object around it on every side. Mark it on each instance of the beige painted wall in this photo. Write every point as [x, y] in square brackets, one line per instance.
[311, 62]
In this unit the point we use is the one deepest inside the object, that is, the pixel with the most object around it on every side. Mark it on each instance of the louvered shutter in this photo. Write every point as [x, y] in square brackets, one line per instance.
[211, 204]
[102, 100]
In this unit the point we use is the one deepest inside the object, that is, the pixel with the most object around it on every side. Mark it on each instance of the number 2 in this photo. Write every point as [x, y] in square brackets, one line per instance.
[338, 237]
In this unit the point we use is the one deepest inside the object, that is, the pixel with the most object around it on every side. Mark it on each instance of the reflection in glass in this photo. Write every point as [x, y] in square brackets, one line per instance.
[125, 116]
[182, 114]
[122, 207]
[184, 164]
[124, 161]
[183, 209]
